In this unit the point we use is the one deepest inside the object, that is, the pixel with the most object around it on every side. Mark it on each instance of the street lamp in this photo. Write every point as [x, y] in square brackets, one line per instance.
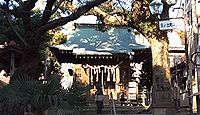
[156, 7]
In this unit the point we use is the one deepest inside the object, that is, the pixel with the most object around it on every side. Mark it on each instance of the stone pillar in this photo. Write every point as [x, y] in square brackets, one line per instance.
[162, 99]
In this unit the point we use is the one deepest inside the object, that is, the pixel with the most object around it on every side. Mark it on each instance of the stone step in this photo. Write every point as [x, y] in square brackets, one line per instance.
[91, 110]
[117, 108]
[129, 114]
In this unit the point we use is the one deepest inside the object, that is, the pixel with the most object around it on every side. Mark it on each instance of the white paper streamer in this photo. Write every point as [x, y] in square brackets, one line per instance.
[91, 75]
[108, 75]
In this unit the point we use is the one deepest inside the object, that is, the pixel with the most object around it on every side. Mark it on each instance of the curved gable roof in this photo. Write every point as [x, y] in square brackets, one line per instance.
[113, 40]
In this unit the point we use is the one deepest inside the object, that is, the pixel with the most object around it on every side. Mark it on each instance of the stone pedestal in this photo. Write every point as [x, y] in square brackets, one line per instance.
[164, 111]
[162, 103]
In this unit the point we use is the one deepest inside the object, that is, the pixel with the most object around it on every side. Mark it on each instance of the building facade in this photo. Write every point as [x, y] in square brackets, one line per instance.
[117, 58]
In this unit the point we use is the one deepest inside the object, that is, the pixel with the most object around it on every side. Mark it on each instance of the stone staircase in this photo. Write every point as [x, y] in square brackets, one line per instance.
[120, 110]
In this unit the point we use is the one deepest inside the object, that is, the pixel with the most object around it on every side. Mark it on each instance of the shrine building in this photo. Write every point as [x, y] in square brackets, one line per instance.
[118, 58]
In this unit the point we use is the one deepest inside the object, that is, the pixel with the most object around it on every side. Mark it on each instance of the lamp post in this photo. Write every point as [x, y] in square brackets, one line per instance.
[195, 56]
[162, 98]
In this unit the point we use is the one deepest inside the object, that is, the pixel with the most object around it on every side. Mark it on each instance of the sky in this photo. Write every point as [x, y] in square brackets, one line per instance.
[125, 3]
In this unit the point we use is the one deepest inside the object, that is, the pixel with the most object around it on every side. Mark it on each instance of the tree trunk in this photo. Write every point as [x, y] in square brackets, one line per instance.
[162, 101]
[29, 65]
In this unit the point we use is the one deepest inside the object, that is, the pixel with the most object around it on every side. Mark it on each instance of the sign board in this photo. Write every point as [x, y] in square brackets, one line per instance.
[172, 24]
[176, 12]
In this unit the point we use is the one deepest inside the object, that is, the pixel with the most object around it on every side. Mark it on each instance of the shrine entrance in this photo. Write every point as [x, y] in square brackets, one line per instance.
[113, 59]
[105, 75]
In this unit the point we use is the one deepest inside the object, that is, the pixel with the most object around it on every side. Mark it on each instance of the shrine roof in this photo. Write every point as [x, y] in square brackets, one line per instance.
[88, 39]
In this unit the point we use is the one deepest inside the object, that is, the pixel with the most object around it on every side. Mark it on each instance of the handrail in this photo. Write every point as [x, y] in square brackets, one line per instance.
[113, 109]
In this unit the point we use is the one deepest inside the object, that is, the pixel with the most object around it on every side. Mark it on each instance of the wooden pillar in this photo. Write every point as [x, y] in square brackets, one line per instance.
[117, 84]
[12, 64]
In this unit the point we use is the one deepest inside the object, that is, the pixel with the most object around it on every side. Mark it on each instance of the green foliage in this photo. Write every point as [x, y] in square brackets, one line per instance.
[25, 90]
[3, 38]
[6, 32]
[36, 16]
[57, 37]
[147, 26]
[76, 95]
[41, 95]
[2, 84]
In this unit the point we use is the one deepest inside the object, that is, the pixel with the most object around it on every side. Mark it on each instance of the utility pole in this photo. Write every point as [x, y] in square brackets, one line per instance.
[195, 57]
[189, 84]
[198, 56]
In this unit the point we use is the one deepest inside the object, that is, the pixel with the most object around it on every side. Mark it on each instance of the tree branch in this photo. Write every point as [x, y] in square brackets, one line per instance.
[29, 5]
[47, 11]
[79, 12]
[13, 28]
[25, 9]
[57, 6]
[110, 19]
